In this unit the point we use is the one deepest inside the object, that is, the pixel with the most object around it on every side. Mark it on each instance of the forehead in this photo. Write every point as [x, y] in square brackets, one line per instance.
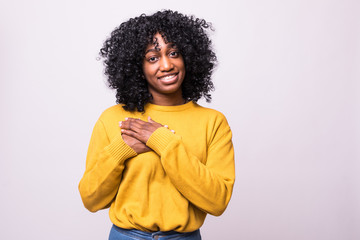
[159, 42]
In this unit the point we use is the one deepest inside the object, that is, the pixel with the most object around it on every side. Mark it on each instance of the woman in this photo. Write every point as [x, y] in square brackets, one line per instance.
[160, 161]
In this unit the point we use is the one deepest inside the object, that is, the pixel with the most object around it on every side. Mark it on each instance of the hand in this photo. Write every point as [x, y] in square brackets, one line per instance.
[139, 129]
[135, 144]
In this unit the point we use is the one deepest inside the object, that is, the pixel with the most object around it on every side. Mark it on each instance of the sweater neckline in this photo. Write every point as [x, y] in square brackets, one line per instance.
[177, 108]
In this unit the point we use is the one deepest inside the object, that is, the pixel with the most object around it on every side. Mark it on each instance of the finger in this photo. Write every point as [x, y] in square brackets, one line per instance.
[140, 136]
[133, 119]
[150, 120]
[156, 123]
[138, 121]
[132, 124]
[129, 133]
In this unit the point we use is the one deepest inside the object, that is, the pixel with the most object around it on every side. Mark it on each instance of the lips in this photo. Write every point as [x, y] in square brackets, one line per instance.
[168, 78]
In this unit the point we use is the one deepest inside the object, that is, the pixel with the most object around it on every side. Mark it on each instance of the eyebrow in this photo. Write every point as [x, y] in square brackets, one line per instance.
[157, 49]
[152, 50]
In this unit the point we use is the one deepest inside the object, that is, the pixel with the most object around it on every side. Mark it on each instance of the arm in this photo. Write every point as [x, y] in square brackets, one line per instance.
[104, 167]
[208, 186]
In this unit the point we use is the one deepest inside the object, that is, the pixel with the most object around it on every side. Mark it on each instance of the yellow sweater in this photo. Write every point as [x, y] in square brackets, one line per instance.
[187, 175]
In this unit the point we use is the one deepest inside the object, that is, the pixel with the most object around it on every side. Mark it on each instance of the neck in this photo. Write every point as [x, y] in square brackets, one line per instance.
[167, 100]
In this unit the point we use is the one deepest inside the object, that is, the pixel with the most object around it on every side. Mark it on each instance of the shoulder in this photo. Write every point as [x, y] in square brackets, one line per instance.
[111, 112]
[117, 112]
[110, 118]
[217, 126]
[209, 112]
[114, 114]
[214, 120]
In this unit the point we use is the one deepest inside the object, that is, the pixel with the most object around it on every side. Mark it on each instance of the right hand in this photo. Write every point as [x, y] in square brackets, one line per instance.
[138, 128]
[135, 144]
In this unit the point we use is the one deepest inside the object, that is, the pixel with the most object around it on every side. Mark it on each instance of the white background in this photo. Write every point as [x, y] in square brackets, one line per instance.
[287, 80]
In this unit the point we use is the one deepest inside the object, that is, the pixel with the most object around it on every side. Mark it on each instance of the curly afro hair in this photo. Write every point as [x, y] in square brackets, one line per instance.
[124, 50]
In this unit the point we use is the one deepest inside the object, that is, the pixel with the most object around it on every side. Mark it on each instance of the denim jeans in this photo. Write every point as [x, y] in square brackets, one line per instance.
[117, 233]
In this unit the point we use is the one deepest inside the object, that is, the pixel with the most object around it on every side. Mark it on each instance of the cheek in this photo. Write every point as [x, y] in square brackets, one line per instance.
[148, 70]
[181, 64]
[182, 68]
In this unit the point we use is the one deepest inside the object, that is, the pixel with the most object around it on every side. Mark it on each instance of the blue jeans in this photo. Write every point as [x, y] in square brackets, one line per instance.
[117, 233]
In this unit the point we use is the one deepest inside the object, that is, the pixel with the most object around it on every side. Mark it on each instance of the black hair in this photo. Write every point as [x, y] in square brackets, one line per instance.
[123, 54]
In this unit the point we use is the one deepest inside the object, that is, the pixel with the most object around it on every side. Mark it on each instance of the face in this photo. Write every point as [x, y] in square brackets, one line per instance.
[164, 69]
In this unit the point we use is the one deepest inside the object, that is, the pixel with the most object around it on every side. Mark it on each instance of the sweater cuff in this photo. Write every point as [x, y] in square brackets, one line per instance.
[119, 150]
[160, 139]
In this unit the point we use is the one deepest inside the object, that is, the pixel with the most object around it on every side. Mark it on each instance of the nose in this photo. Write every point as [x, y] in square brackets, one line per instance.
[166, 64]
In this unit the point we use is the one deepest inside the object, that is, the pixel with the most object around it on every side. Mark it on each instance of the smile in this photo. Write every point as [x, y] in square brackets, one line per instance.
[168, 79]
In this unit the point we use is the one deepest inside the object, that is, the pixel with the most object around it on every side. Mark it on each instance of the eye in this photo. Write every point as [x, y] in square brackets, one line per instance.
[152, 59]
[174, 54]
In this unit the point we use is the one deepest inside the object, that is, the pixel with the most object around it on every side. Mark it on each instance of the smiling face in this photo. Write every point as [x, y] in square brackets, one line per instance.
[164, 70]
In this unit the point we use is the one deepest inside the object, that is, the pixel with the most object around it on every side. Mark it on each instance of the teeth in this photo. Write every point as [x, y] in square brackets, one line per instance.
[168, 77]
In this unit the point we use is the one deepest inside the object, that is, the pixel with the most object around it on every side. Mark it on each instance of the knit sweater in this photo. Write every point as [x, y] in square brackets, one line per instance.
[187, 174]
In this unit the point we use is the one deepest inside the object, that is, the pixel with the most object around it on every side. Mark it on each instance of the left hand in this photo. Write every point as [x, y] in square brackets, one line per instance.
[139, 129]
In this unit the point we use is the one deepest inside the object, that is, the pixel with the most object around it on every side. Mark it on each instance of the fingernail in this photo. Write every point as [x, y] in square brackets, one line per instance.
[126, 118]
[166, 126]
[172, 131]
[120, 123]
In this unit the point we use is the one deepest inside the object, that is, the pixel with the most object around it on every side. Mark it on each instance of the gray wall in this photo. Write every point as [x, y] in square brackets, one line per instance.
[287, 80]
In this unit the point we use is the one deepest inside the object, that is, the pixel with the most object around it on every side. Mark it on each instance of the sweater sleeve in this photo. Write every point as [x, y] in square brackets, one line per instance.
[104, 166]
[208, 186]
